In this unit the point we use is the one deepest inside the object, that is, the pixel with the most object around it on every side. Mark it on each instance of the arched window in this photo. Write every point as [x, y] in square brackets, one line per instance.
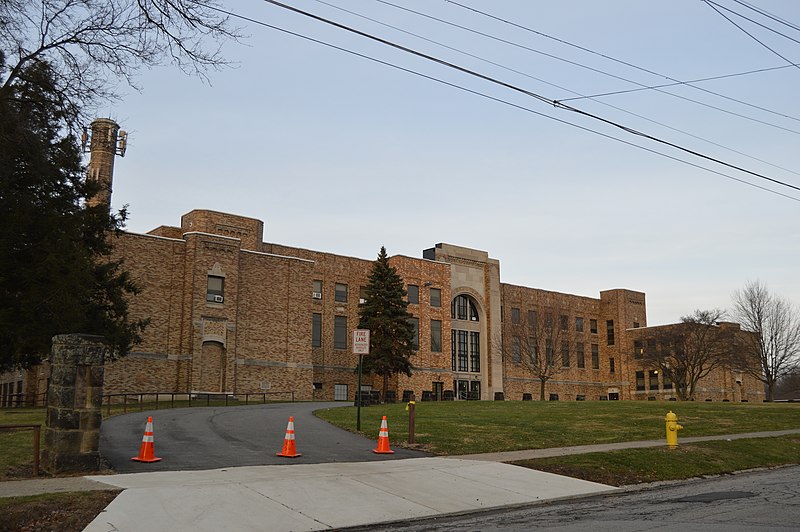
[463, 308]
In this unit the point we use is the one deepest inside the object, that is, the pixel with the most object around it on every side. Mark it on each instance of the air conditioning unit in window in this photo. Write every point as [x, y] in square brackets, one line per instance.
[362, 301]
[316, 295]
[218, 299]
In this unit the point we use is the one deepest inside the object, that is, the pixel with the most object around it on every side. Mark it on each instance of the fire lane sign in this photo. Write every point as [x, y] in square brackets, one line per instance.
[361, 341]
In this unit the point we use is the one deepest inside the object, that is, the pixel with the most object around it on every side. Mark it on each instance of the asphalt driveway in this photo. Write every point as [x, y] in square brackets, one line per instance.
[200, 438]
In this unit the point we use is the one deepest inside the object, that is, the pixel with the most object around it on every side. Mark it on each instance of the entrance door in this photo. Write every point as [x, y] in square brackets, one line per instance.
[475, 390]
[438, 388]
[462, 389]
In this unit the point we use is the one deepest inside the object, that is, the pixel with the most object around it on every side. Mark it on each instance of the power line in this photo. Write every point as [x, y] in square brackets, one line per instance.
[525, 92]
[500, 100]
[769, 15]
[555, 85]
[637, 67]
[713, 5]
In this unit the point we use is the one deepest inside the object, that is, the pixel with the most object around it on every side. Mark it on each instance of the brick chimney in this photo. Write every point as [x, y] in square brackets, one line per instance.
[106, 141]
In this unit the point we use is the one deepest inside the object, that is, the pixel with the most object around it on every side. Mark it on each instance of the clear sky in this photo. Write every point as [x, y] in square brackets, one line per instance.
[339, 153]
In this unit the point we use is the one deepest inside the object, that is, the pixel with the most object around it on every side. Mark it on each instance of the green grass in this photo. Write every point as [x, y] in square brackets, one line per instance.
[466, 427]
[634, 466]
[16, 458]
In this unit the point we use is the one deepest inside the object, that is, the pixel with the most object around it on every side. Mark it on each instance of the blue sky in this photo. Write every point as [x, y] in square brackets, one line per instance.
[338, 153]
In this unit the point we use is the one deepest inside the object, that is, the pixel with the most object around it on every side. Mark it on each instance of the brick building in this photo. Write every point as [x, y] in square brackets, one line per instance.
[231, 313]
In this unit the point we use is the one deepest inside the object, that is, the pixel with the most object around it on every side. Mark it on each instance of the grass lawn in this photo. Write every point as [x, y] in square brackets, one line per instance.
[634, 466]
[466, 427]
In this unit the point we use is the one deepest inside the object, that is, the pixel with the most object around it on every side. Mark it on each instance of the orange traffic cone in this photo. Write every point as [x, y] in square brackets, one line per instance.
[289, 450]
[383, 439]
[147, 452]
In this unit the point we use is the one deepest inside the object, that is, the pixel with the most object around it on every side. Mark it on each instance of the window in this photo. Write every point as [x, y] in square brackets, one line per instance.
[667, 382]
[316, 289]
[475, 352]
[464, 308]
[638, 349]
[610, 332]
[515, 316]
[564, 354]
[363, 293]
[640, 381]
[436, 297]
[516, 350]
[415, 340]
[653, 377]
[533, 352]
[578, 324]
[436, 336]
[548, 352]
[593, 326]
[316, 330]
[595, 356]
[216, 289]
[340, 332]
[340, 294]
[651, 346]
[579, 354]
[531, 319]
[413, 294]
[562, 322]
[462, 349]
[635, 324]
[611, 366]
[548, 321]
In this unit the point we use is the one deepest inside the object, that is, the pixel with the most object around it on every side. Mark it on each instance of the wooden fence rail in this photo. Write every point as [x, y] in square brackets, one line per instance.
[36, 438]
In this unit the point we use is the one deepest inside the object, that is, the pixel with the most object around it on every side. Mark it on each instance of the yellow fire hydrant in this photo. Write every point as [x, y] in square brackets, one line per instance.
[672, 430]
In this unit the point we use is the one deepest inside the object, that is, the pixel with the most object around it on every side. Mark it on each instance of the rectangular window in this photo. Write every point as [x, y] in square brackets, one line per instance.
[463, 352]
[516, 350]
[564, 354]
[316, 289]
[578, 324]
[610, 332]
[593, 326]
[533, 352]
[340, 332]
[638, 349]
[216, 289]
[413, 294]
[340, 294]
[562, 322]
[548, 321]
[362, 295]
[580, 355]
[667, 382]
[595, 356]
[548, 352]
[436, 336]
[436, 297]
[611, 365]
[453, 349]
[531, 319]
[415, 341]
[316, 330]
[653, 375]
[651, 347]
[635, 324]
[515, 316]
[640, 381]
[475, 352]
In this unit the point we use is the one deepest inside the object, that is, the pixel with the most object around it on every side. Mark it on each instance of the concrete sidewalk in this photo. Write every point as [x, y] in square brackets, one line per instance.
[323, 496]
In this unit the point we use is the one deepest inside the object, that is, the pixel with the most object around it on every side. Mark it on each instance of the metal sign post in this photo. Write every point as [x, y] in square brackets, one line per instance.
[360, 348]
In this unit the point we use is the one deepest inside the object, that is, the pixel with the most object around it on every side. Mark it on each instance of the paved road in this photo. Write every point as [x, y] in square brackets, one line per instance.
[755, 501]
[215, 437]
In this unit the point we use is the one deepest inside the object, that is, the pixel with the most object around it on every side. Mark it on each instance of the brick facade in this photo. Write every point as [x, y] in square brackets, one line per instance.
[230, 313]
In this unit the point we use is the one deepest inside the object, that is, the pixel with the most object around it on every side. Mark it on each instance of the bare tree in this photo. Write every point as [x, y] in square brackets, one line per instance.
[688, 351]
[774, 351]
[539, 346]
[91, 44]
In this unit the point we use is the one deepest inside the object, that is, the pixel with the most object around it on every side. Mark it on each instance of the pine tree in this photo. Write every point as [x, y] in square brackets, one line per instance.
[56, 275]
[386, 316]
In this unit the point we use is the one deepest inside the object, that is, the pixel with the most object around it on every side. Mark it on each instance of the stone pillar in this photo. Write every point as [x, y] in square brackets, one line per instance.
[74, 404]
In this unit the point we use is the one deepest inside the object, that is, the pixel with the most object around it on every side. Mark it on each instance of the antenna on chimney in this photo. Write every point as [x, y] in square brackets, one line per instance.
[103, 142]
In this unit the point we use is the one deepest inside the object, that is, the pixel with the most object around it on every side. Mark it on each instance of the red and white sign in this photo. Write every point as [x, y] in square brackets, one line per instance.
[361, 341]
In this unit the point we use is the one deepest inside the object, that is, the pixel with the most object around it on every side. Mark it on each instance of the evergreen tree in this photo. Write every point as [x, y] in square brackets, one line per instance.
[56, 275]
[386, 316]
